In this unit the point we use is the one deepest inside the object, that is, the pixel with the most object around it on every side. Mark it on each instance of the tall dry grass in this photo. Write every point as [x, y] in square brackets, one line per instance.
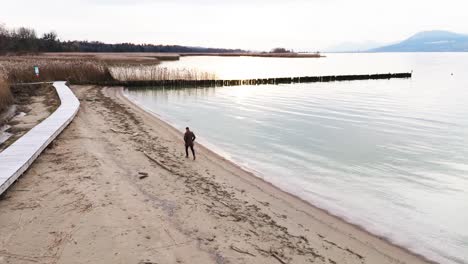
[157, 73]
[5, 94]
[85, 70]
[74, 71]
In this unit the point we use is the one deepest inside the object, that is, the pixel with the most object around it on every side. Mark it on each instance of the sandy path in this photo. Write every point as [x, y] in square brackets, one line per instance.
[83, 202]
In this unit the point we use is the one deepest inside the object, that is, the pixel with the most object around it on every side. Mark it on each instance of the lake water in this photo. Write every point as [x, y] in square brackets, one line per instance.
[388, 155]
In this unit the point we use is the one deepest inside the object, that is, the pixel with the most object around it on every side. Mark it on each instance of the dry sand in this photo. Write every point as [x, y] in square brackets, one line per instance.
[87, 200]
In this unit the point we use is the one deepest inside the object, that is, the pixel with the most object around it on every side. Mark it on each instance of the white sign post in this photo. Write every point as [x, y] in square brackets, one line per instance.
[36, 71]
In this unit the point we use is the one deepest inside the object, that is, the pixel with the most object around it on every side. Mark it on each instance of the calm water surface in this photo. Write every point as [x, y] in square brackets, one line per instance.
[388, 155]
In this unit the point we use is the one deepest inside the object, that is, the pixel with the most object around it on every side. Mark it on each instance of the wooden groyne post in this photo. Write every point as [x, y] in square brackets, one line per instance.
[271, 81]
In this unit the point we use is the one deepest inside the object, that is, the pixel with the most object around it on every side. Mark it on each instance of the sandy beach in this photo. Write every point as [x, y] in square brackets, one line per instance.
[115, 187]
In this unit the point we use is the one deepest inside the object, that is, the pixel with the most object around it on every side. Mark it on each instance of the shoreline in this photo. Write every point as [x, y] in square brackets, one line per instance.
[255, 54]
[253, 173]
[115, 187]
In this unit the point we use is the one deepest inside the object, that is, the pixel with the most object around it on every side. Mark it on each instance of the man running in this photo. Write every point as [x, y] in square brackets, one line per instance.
[189, 138]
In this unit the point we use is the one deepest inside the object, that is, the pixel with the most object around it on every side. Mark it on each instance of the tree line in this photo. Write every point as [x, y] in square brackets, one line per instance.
[26, 40]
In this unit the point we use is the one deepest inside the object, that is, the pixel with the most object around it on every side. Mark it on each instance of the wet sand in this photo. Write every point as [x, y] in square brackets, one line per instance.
[115, 187]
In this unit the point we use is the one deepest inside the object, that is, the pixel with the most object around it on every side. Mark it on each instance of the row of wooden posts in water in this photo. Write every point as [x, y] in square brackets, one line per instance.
[288, 80]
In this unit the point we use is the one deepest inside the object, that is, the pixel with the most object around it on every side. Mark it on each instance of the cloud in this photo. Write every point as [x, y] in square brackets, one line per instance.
[256, 24]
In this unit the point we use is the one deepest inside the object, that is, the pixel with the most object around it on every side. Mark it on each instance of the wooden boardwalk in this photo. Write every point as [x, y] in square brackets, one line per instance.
[17, 158]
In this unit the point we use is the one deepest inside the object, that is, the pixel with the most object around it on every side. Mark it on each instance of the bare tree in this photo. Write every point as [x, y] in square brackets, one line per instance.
[51, 36]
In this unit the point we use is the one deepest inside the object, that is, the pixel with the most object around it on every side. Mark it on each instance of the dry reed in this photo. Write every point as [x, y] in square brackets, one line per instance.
[158, 73]
[88, 70]
[74, 71]
[5, 94]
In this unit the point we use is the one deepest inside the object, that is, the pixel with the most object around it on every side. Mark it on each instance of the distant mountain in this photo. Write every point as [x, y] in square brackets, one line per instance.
[429, 41]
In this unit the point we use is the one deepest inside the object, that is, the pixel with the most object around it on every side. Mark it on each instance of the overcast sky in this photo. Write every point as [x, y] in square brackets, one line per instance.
[249, 24]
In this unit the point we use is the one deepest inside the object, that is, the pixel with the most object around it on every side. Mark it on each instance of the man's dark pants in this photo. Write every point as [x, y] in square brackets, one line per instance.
[186, 150]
